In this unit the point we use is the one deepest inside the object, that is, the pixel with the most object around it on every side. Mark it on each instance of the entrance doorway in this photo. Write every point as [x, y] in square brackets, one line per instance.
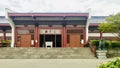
[74, 40]
[25, 40]
[55, 39]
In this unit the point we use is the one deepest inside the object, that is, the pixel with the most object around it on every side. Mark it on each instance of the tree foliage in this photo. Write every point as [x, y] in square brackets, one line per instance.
[106, 27]
[112, 24]
[111, 64]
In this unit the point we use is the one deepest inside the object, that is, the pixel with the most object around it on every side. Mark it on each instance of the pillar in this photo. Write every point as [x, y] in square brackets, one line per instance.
[84, 30]
[36, 37]
[64, 36]
[4, 34]
[64, 33]
[87, 33]
[13, 37]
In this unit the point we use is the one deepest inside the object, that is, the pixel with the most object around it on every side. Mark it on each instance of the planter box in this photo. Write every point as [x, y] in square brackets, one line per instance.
[114, 52]
[101, 54]
[4, 44]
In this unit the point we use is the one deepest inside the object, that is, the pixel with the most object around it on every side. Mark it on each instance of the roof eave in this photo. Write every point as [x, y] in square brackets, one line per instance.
[48, 14]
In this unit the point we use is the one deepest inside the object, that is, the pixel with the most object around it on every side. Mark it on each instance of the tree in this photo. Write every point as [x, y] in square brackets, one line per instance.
[112, 25]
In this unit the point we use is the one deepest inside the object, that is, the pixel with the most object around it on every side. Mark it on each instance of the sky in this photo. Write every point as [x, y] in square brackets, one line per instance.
[95, 7]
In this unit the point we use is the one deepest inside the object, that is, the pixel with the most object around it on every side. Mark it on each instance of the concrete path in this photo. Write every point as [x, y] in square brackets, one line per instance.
[51, 63]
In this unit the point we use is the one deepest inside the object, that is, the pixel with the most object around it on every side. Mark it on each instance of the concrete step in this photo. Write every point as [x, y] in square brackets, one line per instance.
[46, 53]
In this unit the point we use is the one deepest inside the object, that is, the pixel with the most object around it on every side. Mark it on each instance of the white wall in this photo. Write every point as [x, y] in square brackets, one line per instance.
[104, 34]
[7, 34]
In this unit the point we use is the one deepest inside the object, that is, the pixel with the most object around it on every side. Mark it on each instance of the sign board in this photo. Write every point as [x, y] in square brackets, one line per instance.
[74, 31]
[49, 44]
[23, 31]
[50, 31]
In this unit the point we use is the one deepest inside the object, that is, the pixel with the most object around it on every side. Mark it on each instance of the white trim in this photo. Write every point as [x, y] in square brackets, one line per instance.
[1, 34]
[7, 34]
[104, 34]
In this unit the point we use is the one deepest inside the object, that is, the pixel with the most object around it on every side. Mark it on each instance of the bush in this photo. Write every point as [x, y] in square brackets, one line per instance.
[95, 42]
[107, 44]
[111, 64]
[115, 44]
[5, 43]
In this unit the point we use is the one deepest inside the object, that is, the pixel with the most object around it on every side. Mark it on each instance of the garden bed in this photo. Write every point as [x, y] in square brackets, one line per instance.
[113, 52]
[113, 47]
[5, 43]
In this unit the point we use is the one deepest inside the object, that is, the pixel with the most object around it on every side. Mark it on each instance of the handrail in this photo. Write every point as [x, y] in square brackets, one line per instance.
[93, 48]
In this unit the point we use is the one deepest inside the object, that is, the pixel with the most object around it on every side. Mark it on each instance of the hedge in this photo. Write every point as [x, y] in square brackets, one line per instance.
[108, 44]
[115, 44]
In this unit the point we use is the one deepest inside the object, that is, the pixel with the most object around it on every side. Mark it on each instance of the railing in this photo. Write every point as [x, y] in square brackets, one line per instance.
[93, 48]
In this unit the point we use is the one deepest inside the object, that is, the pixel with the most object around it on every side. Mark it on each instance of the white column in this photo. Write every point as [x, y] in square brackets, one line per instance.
[87, 29]
[86, 33]
[12, 26]
[87, 25]
[13, 35]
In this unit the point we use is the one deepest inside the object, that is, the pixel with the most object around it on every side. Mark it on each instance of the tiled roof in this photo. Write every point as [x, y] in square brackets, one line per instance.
[3, 20]
[97, 19]
[48, 14]
[94, 19]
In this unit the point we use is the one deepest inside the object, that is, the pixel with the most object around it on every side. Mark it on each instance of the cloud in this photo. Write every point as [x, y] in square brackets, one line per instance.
[98, 7]
[112, 1]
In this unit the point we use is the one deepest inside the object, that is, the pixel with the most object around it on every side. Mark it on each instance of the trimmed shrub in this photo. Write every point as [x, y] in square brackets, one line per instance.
[107, 44]
[95, 42]
[115, 44]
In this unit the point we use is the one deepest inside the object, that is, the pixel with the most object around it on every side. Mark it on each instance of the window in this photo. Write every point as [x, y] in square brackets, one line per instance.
[81, 37]
[68, 39]
[32, 37]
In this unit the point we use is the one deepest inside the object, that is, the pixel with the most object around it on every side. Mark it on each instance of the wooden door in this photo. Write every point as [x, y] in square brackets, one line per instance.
[74, 40]
[25, 40]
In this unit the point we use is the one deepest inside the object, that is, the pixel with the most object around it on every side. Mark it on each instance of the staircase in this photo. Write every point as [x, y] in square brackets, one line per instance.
[46, 53]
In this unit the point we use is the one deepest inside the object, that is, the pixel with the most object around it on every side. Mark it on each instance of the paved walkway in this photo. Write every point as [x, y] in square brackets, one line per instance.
[51, 63]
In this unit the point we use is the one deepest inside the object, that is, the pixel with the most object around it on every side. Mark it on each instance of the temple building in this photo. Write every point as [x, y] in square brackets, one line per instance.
[51, 29]
[40, 29]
